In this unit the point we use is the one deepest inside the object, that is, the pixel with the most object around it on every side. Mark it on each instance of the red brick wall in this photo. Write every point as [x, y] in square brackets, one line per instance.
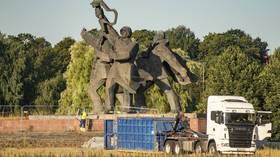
[198, 124]
[52, 125]
[98, 125]
[62, 125]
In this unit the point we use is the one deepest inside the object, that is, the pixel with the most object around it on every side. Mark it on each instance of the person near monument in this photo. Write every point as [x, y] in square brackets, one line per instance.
[181, 122]
[83, 121]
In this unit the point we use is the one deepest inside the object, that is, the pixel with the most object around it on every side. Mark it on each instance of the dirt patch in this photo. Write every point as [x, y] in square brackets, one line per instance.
[40, 140]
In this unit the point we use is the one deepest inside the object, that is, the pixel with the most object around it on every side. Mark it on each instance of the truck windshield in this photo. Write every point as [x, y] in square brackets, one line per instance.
[240, 118]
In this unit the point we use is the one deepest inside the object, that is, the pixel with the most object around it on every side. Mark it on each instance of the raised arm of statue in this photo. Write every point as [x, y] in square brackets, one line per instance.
[106, 26]
[102, 48]
[100, 4]
[111, 37]
[107, 8]
[90, 39]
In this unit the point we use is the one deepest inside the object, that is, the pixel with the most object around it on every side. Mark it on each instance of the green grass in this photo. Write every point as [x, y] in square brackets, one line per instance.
[78, 152]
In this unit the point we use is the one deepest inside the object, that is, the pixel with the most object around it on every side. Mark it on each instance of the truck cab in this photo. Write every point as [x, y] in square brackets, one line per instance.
[230, 125]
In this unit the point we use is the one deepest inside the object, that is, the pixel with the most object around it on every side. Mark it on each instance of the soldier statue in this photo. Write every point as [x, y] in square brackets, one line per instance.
[115, 61]
[159, 60]
[123, 72]
[114, 65]
[103, 50]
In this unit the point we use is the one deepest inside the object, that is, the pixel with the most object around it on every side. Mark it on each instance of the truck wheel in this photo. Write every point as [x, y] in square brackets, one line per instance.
[178, 149]
[212, 148]
[198, 148]
[169, 147]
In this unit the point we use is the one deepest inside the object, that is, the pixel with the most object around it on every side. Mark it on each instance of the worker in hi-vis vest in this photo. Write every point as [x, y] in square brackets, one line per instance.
[83, 121]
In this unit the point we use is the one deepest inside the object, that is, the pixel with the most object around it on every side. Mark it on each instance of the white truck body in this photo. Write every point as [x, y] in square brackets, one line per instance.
[231, 124]
[264, 125]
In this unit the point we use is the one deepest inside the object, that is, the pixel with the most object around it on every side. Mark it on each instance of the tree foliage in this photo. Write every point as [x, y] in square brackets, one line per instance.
[62, 54]
[26, 63]
[77, 79]
[156, 99]
[183, 38]
[233, 73]
[216, 43]
[144, 37]
[269, 83]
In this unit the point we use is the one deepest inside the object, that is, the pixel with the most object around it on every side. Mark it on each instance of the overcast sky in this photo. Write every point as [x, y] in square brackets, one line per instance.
[56, 19]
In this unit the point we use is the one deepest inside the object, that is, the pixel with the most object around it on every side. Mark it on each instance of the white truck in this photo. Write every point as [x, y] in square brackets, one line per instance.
[230, 125]
[231, 129]
[264, 125]
[263, 130]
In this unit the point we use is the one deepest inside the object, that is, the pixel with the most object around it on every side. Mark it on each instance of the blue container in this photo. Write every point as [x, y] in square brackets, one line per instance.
[138, 133]
[108, 134]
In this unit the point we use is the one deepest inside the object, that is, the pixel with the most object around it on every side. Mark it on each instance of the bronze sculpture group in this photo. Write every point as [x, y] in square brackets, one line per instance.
[124, 75]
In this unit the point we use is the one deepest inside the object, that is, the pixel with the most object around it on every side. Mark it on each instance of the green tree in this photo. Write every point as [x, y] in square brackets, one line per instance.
[48, 93]
[144, 38]
[216, 43]
[55, 63]
[183, 38]
[37, 52]
[13, 69]
[61, 53]
[156, 99]
[269, 82]
[27, 64]
[77, 78]
[233, 73]
[2, 69]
